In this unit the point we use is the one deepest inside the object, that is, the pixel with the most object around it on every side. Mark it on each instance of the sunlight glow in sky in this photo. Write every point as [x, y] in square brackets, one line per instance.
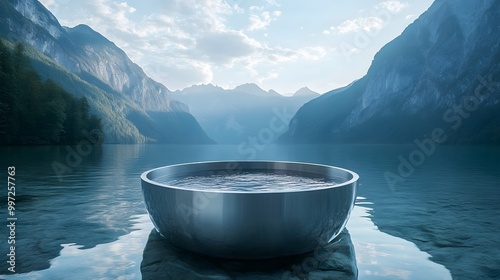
[280, 45]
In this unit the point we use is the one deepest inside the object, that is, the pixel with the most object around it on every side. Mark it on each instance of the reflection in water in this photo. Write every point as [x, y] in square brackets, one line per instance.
[161, 260]
[143, 254]
[90, 206]
[81, 227]
[115, 260]
[383, 256]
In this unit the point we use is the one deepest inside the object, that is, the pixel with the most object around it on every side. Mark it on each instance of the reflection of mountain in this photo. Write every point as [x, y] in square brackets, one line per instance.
[441, 73]
[92, 205]
[134, 107]
[161, 260]
[234, 116]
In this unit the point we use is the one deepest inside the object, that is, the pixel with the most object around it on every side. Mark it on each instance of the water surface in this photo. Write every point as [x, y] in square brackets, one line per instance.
[247, 182]
[88, 220]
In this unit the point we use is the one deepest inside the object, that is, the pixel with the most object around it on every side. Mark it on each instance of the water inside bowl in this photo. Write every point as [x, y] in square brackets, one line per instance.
[248, 182]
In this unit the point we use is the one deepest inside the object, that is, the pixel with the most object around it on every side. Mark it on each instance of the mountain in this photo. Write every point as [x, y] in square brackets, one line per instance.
[242, 115]
[200, 89]
[273, 92]
[134, 108]
[305, 91]
[438, 80]
[253, 89]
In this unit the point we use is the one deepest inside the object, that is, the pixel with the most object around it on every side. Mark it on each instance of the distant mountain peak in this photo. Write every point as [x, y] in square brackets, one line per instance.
[87, 32]
[273, 92]
[251, 88]
[201, 88]
[305, 91]
[83, 28]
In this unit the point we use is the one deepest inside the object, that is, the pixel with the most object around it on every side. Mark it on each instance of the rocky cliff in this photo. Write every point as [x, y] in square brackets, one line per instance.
[440, 75]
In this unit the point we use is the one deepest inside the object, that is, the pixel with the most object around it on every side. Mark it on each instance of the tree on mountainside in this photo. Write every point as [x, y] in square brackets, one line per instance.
[33, 111]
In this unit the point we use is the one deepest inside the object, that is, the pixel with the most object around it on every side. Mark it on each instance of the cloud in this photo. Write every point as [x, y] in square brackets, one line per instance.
[368, 23]
[278, 55]
[181, 16]
[392, 6]
[273, 3]
[113, 13]
[238, 9]
[312, 53]
[263, 20]
[222, 47]
[54, 5]
[185, 42]
[180, 29]
[178, 73]
[354, 25]
[259, 22]
[48, 3]
[261, 65]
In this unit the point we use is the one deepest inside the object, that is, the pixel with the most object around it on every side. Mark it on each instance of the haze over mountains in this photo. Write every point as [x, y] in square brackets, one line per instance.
[440, 77]
[233, 116]
[135, 108]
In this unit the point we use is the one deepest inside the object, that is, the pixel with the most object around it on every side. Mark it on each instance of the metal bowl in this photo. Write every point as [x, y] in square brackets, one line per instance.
[250, 224]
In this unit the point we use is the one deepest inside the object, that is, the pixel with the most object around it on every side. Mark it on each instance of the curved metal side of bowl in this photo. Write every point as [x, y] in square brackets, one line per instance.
[250, 225]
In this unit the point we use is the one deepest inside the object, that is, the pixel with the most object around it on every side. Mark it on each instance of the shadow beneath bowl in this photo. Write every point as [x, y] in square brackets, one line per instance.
[162, 260]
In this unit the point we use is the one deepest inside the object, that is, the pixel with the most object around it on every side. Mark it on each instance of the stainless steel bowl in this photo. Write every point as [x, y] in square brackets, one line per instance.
[250, 225]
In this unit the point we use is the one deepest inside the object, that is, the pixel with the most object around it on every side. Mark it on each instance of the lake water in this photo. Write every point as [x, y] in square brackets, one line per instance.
[80, 213]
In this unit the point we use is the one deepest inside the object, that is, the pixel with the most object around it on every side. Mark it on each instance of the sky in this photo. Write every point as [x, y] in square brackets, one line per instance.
[277, 44]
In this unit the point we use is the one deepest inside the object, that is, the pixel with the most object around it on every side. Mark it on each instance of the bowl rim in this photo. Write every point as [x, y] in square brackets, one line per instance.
[353, 180]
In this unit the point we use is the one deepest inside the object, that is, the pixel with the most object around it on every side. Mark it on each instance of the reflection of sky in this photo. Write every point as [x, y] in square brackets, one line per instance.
[383, 256]
[104, 193]
[116, 260]
[379, 255]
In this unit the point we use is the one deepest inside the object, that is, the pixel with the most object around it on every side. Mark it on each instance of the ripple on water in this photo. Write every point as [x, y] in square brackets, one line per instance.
[248, 182]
